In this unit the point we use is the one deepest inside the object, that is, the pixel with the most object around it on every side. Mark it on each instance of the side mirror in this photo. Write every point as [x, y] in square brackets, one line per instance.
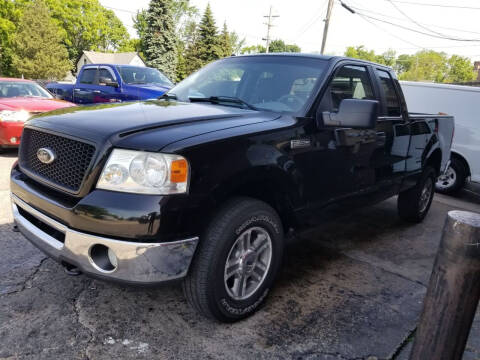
[352, 113]
[107, 82]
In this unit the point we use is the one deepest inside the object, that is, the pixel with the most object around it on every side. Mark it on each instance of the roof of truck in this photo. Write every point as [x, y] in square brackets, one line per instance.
[317, 56]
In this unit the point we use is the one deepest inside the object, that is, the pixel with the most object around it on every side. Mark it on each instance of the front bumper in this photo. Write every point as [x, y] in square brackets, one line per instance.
[136, 263]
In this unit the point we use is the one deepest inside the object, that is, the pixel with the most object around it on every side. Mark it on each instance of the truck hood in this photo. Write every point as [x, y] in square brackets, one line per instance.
[146, 91]
[32, 104]
[169, 121]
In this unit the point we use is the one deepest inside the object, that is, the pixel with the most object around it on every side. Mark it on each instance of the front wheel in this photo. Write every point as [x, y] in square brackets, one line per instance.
[413, 204]
[236, 261]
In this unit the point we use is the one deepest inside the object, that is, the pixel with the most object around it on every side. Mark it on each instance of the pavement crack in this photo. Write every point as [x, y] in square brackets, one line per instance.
[27, 283]
[77, 312]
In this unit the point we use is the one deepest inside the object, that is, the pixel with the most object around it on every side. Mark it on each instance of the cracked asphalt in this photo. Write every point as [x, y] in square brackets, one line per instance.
[350, 289]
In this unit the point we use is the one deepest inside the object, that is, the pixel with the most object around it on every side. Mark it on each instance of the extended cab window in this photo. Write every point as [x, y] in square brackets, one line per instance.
[350, 82]
[88, 76]
[391, 97]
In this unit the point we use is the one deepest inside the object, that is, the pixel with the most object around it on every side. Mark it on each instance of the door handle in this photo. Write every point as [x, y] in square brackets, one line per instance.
[96, 91]
[76, 90]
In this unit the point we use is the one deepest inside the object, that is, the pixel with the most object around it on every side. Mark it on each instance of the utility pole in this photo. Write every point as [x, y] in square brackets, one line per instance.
[327, 22]
[269, 26]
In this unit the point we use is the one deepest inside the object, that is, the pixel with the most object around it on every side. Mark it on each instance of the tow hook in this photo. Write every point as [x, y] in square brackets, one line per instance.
[71, 269]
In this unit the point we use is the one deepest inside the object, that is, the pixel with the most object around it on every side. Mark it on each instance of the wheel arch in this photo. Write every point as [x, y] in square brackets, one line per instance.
[460, 157]
[269, 184]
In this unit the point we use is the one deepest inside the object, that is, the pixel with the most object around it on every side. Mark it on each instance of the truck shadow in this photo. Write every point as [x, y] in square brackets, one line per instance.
[338, 292]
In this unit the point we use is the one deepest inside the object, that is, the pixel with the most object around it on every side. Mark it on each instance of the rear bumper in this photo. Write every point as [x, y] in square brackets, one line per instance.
[136, 263]
[10, 133]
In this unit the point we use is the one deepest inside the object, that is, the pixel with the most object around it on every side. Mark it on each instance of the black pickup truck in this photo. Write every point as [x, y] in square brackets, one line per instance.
[202, 184]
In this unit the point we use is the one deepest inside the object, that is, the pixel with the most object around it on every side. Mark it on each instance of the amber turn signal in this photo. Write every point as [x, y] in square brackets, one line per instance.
[179, 171]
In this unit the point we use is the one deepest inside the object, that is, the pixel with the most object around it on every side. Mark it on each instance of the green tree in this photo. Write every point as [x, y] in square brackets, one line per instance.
[39, 54]
[208, 45]
[254, 49]
[10, 14]
[460, 69]
[277, 46]
[360, 52]
[225, 41]
[87, 25]
[160, 40]
[427, 65]
[237, 42]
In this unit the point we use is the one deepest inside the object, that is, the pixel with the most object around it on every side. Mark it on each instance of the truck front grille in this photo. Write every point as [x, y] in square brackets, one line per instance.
[72, 159]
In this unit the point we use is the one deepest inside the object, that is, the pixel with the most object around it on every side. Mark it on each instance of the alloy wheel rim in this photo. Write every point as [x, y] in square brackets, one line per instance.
[447, 180]
[426, 194]
[248, 263]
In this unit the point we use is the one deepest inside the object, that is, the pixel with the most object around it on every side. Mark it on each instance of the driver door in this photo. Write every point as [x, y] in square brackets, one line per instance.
[339, 165]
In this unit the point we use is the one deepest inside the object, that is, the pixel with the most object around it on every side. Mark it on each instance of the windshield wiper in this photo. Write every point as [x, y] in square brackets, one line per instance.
[222, 99]
[168, 96]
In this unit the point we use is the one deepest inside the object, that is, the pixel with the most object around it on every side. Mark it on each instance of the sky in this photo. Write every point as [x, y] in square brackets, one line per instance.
[301, 22]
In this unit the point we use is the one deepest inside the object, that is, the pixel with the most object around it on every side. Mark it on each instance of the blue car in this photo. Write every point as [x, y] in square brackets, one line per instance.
[104, 83]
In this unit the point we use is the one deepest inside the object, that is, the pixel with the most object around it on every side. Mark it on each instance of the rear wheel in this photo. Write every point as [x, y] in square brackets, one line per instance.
[454, 178]
[414, 203]
[236, 261]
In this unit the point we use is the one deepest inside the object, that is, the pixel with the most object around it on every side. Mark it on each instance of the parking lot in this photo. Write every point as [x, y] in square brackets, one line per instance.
[351, 289]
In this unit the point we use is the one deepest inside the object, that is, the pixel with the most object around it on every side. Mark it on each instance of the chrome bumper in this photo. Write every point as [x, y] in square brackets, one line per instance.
[143, 263]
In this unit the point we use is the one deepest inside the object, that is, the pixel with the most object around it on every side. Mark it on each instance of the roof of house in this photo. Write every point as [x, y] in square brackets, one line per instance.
[110, 58]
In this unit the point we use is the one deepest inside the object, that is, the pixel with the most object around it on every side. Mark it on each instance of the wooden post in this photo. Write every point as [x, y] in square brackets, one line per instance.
[453, 292]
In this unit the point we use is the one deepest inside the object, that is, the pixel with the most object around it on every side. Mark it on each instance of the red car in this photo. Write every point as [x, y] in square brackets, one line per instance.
[19, 100]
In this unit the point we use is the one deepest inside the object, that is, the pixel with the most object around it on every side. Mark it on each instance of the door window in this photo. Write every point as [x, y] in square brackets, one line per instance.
[88, 76]
[350, 82]
[391, 96]
[105, 74]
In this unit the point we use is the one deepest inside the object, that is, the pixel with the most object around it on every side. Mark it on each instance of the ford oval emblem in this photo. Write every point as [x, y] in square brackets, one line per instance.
[45, 155]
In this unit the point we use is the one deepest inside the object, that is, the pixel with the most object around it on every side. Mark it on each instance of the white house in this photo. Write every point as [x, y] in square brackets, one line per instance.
[93, 57]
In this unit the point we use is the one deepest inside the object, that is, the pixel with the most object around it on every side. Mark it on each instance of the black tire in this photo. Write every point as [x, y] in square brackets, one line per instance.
[412, 206]
[455, 178]
[205, 287]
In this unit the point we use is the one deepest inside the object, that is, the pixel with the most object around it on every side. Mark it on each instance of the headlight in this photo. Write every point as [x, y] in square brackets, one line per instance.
[144, 172]
[19, 116]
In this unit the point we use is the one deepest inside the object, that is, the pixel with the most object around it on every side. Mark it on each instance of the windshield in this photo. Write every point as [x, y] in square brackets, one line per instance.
[10, 89]
[275, 83]
[143, 75]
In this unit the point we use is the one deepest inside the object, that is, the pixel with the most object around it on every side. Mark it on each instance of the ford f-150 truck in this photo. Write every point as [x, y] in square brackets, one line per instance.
[100, 83]
[202, 184]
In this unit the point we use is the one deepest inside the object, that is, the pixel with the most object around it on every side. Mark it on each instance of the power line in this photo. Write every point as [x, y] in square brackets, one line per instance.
[418, 31]
[317, 15]
[437, 5]
[402, 19]
[414, 21]
[390, 33]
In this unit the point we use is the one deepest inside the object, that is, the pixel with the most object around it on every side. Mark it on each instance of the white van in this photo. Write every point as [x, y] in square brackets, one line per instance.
[463, 102]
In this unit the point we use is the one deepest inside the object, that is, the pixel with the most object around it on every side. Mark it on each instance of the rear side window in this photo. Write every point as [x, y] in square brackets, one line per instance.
[391, 96]
[350, 82]
[88, 76]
